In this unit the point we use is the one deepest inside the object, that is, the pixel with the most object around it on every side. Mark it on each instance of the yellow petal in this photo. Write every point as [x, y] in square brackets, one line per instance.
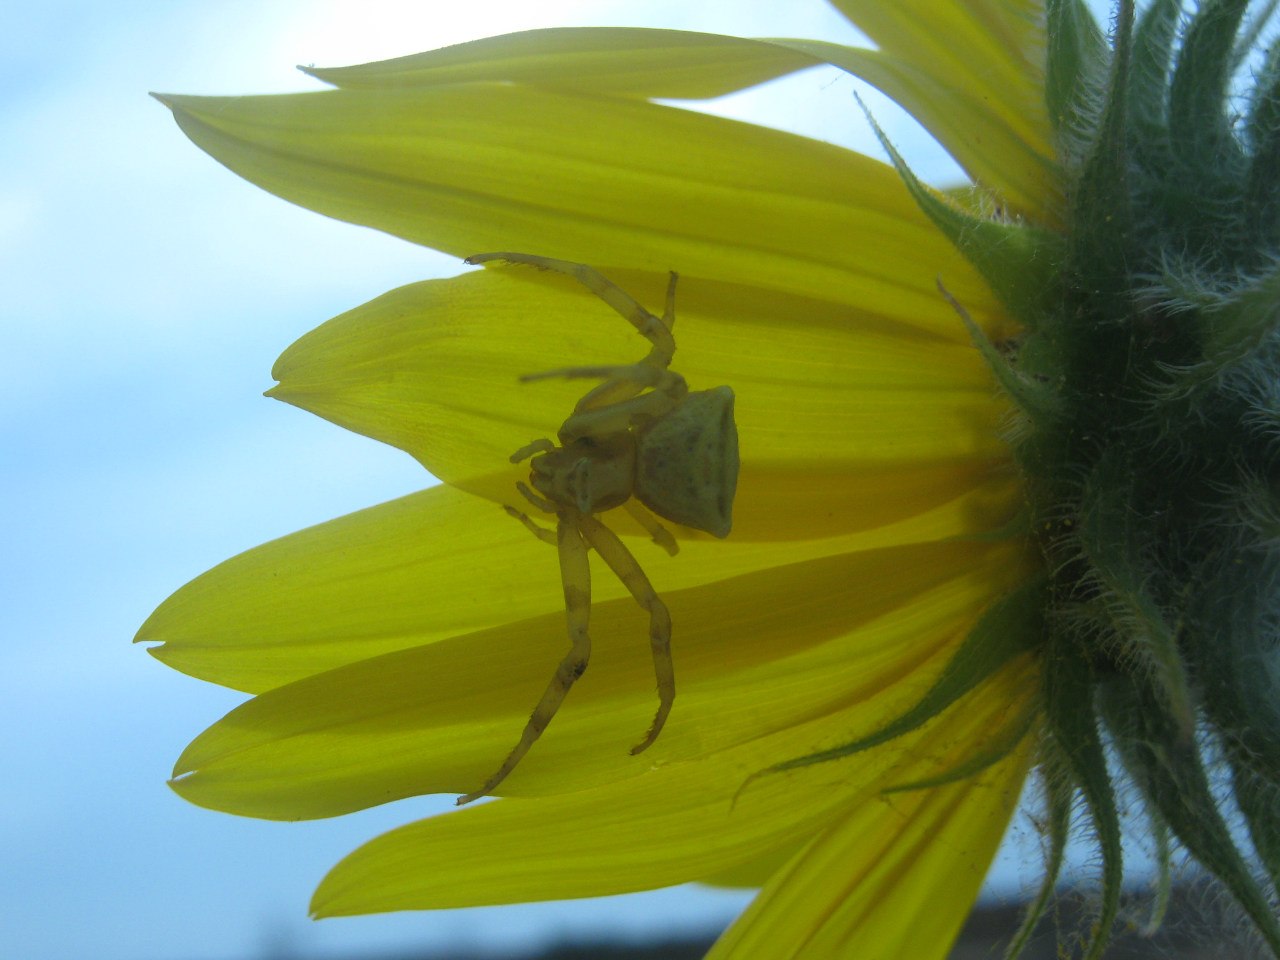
[607, 61]
[755, 654]
[973, 74]
[754, 874]
[848, 405]
[894, 878]
[478, 167]
[1008, 151]
[1004, 154]
[995, 47]
[677, 822]
[400, 574]
[442, 563]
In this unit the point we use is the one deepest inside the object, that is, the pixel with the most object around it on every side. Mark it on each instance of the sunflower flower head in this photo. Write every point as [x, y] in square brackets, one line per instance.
[1008, 498]
[1145, 385]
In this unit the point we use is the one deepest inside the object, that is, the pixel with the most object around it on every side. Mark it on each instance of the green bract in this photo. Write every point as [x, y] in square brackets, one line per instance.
[1147, 380]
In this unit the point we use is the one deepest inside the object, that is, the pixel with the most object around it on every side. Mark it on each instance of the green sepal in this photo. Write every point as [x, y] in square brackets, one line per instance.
[1198, 123]
[1236, 325]
[1256, 507]
[1252, 33]
[1263, 421]
[1148, 100]
[1262, 122]
[1203, 188]
[1262, 133]
[1115, 546]
[1038, 399]
[1167, 768]
[1011, 626]
[1104, 231]
[1232, 613]
[1074, 746]
[994, 748]
[1059, 794]
[1259, 801]
[1021, 263]
[1164, 875]
[1075, 65]
[1149, 73]
[1230, 326]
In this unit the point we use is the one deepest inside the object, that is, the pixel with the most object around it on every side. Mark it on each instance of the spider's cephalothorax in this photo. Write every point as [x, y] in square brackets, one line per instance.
[639, 440]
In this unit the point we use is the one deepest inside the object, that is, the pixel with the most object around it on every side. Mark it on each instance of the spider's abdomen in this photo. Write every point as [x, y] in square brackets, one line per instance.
[687, 462]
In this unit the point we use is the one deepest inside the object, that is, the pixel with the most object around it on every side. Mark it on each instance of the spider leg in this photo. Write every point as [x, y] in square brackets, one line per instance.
[621, 382]
[612, 551]
[656, 331]
[669, 312]
[529, 449]
[607, 394]
[641, 374]
[542, 533]
[619, 417]
[575, 572]
[661, 352]
[545, 505]
[660, 534]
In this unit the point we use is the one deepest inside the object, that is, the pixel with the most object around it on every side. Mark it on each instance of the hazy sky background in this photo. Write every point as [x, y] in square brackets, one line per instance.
[144, 293]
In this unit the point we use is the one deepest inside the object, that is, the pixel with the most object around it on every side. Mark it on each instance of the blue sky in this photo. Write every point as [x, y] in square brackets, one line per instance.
[146, 293]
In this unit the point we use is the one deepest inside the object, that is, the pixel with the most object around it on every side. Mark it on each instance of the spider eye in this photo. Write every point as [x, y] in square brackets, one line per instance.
[687, 462]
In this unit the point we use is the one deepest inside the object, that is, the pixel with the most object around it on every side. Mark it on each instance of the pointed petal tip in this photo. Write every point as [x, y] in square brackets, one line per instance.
[286, 394]
[144, 634]
[176, 779]
[321, 906]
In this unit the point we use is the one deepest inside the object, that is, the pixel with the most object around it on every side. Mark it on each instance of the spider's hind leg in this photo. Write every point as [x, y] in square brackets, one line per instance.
[612, 551]
[657, 532]
[575, 572]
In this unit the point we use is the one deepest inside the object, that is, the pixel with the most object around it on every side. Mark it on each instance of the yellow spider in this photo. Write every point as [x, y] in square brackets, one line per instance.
[640, 435]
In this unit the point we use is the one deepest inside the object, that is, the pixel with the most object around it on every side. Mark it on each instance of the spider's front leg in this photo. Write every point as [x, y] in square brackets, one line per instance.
[575, 572]
[542, 533]
[622, 382]
[657, 331]
[668, 390]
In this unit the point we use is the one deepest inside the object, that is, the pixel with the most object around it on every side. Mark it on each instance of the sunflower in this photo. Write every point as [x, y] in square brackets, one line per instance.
[1008, 491]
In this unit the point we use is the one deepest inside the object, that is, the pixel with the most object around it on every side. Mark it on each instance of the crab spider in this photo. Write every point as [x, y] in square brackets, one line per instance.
[640, 440]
